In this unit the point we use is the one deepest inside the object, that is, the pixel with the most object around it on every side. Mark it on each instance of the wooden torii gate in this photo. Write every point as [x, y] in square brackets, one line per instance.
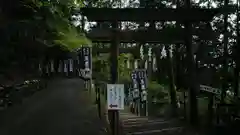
[164, 36]
[186, 16]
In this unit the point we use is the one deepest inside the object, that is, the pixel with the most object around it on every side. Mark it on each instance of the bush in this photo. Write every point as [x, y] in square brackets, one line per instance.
[126, 80]
[158, 90]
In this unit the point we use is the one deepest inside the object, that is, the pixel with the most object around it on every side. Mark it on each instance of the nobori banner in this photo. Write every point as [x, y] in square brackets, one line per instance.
[142, 73]
[86, 57]
[134, 79]
[142, 78]
[134, 75]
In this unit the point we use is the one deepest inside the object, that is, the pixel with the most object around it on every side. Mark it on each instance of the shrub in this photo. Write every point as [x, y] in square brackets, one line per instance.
[158, 90]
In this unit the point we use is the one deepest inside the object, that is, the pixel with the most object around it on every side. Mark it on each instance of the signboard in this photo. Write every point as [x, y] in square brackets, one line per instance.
[210, 89]
[115, 96]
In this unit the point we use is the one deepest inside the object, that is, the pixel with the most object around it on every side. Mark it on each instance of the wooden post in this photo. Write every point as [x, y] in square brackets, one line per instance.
[99, 102]
[193, 85]
[225, 48]
[184, 105]
[177, 56]
[210, 109]
[114, 114]
[139, 103]
[178, 78]
[141, 63]
[149, 67]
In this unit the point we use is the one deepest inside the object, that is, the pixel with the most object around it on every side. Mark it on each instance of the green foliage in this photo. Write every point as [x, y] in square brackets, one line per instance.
[124, 80]
[157, 90]
[101, 69]
[66, 34]
[101, 66]
[36, 30]
[123, 71]
[45, 22]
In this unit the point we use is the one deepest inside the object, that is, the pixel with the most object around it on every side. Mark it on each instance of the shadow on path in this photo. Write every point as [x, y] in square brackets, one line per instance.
[64, 108]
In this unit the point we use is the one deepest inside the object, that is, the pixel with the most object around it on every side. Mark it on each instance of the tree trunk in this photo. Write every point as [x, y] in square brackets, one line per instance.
[172, 90]
[158, 59]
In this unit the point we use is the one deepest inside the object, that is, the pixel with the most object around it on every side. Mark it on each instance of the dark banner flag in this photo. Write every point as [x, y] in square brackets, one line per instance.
[142, 78]
[135, 86]
[86, 61]
[134, 79]
[86, 55]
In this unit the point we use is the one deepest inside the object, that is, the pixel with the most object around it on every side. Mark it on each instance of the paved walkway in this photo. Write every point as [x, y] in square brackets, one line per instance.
[64, 108]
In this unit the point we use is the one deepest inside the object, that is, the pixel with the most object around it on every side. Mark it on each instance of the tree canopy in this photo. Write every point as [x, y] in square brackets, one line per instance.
[36, 30]
[41, 21]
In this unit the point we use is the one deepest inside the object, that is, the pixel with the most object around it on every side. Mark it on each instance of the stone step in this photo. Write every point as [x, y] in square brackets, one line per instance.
[150, 122]
[164, 131]
[143, 125]
[137, 122]
[150, 126]
[131, 116]
[134, 120]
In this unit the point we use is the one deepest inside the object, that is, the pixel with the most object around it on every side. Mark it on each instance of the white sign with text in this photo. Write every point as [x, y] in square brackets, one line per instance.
[115, 96]
[210, 89]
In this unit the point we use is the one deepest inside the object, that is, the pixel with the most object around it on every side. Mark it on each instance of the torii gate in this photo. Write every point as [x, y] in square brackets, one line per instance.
[114, 36]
